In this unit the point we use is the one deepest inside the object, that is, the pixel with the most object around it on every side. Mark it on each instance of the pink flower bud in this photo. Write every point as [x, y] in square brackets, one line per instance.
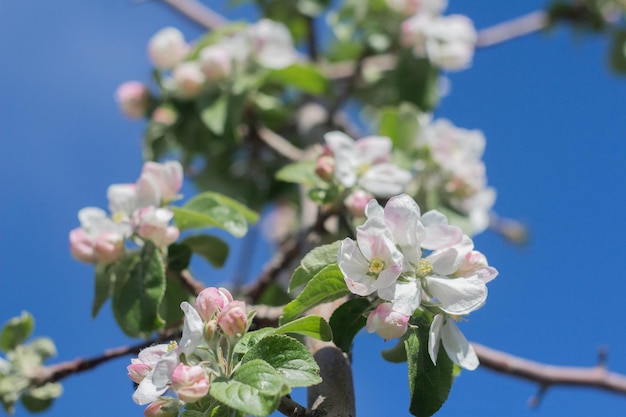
[137, 370]
[133, 98]
[163, 407]
[325, 167]
[233, 319]
[387, 323]
[216, 62]
[164, 115]
[211, 301]
[81, 246]
[167, 48]
[357, 201]
[190, 383]
[154, 226]
[108, 248]
[210, 329]
[188, 79]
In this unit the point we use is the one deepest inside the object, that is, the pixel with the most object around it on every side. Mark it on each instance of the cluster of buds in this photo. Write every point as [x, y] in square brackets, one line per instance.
[459, 171]
[212, 326]
[447, 41]
[407, 261]
[137, 210]
[266, 43]
[363, 166]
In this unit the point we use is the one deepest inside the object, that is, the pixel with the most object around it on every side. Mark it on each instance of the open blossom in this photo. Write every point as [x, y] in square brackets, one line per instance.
[142, 369]
[167, 48]
[98, 239]
[387, 323]
[153, 225]
[133, 98]
[448, 41]
[168, 177]
[271, 44]
[190, 382]
[366, 162]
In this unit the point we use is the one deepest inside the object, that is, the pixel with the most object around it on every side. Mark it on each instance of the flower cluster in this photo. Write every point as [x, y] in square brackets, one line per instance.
[460, 173]
[266, 43]
[364, 163]
[447, 41]
[211, 328]
[412, 261]
[136, 211]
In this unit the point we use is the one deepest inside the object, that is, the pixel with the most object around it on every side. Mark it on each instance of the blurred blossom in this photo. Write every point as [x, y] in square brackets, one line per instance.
[167, 48]
[133, 98]
[188, 79]
[216, 62]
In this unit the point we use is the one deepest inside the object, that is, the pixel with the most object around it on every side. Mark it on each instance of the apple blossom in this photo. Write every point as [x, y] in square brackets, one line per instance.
[153, 225]
[444, 330]
[386, 322]
[143, 368]
[190, 382]
[216, 62]
[356, 202]
[168, 177]
[211, 301]
[233, 319]
[133, 98]
[98, 239]
[188, 79]
[409, 7]
[366, 162]
[271, 44]
[167, 48]
[162, 407]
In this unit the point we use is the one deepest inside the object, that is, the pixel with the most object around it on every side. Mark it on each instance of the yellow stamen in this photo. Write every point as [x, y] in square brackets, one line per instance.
[424, 268]
[376, 265]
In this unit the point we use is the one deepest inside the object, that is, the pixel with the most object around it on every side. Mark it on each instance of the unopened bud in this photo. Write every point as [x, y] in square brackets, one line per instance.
[357, 201]
[190, 382]
[233, 319]
[325, 167]
[133, 98]
[167, 48]
[163, 407]
[387, 323]
[211, 301]
[216, 62]
[188, 79]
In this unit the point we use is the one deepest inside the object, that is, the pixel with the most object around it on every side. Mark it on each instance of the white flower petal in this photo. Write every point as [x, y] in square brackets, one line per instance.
[354, 267]
[457, 347]
[441, 236]
[407, 297]
[458, 296]
[147, 392]
[434, 337]
[385, 180]
[449, 260]
[192, 329]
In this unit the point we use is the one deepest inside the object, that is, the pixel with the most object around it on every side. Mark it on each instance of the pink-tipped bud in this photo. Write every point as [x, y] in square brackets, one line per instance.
[233, 319]
[325, 167]
[164, 115]
[211, 301]
[81, 246]
[154, 226]
[188, 79]
[108, 248]
[357, 201]
[133, 98]
[163, 407]
[167, 48]
[190, 382]
[216, 62]
[387, 323]
[137, 370]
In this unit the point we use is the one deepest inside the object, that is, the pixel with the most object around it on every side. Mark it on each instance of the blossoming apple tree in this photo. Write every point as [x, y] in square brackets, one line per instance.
[374, 230]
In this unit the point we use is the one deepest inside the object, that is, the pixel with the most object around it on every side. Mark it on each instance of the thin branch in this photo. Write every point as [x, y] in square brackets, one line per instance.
[511, 29]
[187, 280]
[547, 375]
[290, 408]
[279, 144]
[198, 13]
[312, 39]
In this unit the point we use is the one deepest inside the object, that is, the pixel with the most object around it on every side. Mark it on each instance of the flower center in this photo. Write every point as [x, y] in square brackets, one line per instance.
[172, 345]
[376, 266]
[118, 217]
[424, 268]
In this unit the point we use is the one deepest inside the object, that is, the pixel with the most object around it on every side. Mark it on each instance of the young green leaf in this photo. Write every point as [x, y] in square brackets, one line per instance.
[301, 76]
[347, 320]
[429, 385]
[16, 331]
[255, 388]
[214, 116]
[313, 262]
[211, 248]
[327, 285]
[139, 289]
[312, 326]
[302, 172]
[252, 338]
[290, 358]
[104, 280]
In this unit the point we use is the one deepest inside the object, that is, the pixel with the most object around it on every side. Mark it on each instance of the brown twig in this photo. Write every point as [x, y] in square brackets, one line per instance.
[279, 144]
[511, 29]
[198, 13]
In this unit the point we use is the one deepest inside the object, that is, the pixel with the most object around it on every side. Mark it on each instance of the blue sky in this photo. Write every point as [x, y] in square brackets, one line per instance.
[554, 119]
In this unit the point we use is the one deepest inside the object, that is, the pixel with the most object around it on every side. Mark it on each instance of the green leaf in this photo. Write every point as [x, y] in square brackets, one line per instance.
[211, 248]
[313, 262]
[416, 81]
[139, 289]
[215, 115]
[104, 281]
[178, 256]
[290, 358]
[274, 295]
[347, 320]
[396, 354]
[301, 76]
[312, 326]
[327, 285]
[302, 172]
[429, 385]
[400, 124]
[252, 338]
[209, 213]
[618, 52]
[175, 293]
[255, 388]
[16, 330]
[250, 215]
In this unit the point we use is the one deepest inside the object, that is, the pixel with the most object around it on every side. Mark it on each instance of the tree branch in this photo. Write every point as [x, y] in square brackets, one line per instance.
[198, 13]
[511, 29]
